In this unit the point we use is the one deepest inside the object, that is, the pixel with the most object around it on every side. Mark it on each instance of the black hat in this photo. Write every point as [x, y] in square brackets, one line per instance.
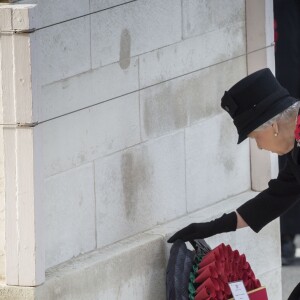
[254, 100]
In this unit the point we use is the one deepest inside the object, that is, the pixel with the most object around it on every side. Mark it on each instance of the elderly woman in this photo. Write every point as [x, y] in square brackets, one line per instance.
[263, 110]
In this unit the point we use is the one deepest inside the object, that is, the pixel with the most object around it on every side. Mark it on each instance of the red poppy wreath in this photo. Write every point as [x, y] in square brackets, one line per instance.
[211, 271]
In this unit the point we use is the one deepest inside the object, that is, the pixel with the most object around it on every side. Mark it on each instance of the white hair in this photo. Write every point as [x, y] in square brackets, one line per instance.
[286, 115]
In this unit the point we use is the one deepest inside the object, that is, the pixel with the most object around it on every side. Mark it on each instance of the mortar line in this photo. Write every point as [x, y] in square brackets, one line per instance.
[139, 97]
[85, 15]
[141, 89]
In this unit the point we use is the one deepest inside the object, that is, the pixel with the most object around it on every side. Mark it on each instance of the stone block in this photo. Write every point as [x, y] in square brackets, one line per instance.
[133, 29]
[69, 205]
[260, 24]
[213, 143]
[16, 293]
[264, 165]
[263, 58]
[204, 16]
[87, 89]
[140, 187]
[183, 101]
[192, 54]
[97, 5]
[132, 269]
[60, 48]
[88, 134]
[51, 12]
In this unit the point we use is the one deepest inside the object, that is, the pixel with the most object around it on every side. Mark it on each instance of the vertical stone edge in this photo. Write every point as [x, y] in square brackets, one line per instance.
[29, 175]
[264, 165]
[24, 226]
[8, 108]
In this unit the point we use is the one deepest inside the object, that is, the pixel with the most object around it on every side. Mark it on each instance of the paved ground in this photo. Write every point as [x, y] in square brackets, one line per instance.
[291, 274]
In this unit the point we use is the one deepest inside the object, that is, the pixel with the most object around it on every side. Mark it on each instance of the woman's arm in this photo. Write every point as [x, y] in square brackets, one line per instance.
[282, 194]
[240, 221]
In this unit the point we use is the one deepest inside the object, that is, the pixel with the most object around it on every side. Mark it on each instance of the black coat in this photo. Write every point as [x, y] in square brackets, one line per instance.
[287, 60]
[282, 194]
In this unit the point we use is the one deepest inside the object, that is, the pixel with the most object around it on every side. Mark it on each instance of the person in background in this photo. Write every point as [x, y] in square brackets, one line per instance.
[263, 110]
[287, 61]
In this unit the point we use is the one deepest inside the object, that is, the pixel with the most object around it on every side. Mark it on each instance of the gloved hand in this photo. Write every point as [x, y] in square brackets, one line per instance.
[226, 223]
[295, 295]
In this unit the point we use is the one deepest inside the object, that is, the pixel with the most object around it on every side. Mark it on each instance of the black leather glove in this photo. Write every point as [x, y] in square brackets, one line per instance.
[295, 295]
[226, 223]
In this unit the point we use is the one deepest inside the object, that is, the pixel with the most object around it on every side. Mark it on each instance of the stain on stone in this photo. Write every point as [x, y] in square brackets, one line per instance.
[202, 99]
[164, 110]
[135, 179]
[81, 199]
[125, 49]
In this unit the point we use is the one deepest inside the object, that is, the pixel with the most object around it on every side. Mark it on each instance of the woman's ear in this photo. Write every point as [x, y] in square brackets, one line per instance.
[275, 128]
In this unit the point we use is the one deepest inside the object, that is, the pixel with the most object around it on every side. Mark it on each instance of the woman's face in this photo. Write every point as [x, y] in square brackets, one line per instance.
[268, 140]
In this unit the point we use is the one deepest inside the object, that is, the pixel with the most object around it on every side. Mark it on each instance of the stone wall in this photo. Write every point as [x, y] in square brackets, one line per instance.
[130, 132]
[133, 133]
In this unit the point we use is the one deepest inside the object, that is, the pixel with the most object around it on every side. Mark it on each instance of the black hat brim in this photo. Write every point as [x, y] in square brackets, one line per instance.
[263, 118]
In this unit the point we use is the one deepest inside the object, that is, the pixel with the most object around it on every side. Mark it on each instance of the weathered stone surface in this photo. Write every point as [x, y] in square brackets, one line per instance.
[17, 293]
[49, 12]
[86, 89]
[60, 48]
[81, 137]
[138, 27]
[260, 24]
[184, 101]
[140, 187]
[192, 54]
[97, 5]
[132, 269]
[201, 16]
[69, 205]
[216, 167]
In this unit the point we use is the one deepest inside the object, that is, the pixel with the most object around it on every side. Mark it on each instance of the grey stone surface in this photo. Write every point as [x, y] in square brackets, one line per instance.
[192, 54]
[140, 187]
[96, 5]
[91, 133]
[133, 29]
[69, 201]
[59, 48]
[88, 88]
[47, 13]
[181, 102]
[131, 269]
[213, 143]
[218, 14]
[17, 293]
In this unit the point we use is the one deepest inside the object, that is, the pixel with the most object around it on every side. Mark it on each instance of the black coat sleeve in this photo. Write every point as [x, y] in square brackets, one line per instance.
[282, 194]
